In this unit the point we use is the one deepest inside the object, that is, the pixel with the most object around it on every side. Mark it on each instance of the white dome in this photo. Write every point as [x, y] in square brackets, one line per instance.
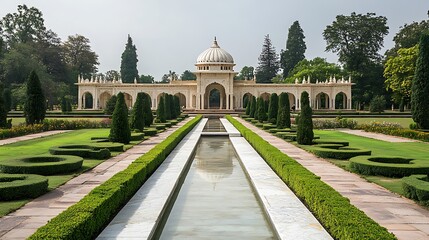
[215, 54]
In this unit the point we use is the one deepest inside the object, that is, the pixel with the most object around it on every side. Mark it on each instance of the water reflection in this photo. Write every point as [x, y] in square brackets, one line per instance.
[213, 125]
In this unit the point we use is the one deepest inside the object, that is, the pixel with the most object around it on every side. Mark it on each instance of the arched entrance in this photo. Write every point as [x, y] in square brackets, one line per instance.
[182, 99]
[128, 100]
[341, 101]
[215, 97]
[265, 96]
[246, 99]
[104, 97]
[292, 101]
[322, 101]
[88, 101]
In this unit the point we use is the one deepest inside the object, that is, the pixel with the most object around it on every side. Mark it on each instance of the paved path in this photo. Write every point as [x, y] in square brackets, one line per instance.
[25, 221]
[403, 217]
[378, 136]
[30, 136]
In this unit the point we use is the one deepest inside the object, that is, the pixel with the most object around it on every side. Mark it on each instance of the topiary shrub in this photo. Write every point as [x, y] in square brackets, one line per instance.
[177, 108]
[160, 112]
[273, 108]
[110, 105]
[120, 130]
[21, 186]
[283, 114]
[148, 116]
[304, 133]
[252, 107]
[35, 105]
[416, 187]
[262, 115]
[137, 117]
[388, 166]
[85, 151]
[150, 131]
[377, 104]
[41, 164]
[3, 111]
[337, 151]
[167, 106]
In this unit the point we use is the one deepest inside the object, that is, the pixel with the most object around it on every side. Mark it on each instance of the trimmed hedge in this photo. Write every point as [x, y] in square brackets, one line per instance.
[416, 187]
[340, 218]
[320, 141]
[41, 164]
[90, 215]
[135, 136]
[19, 186]
[389, 166]
[150, 131]
[394, 130]
[337, 151]
[286, 135]
[275, 130]
[100, 150]
[268, 126]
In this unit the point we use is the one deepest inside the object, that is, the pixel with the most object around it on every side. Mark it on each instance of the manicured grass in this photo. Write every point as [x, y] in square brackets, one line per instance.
[41, 146]
[17, 121]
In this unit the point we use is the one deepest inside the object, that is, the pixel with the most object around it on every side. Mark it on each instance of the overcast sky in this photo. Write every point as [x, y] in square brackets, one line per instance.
[170, 34]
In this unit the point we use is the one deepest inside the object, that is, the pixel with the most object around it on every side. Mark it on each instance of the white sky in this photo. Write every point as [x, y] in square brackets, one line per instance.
[170, 34]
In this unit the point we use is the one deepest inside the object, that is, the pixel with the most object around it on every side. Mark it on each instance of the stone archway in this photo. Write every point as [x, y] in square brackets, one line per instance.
[341, 101]
[292, 101]
[247, 97]
[87, 100]
[322, 101]
[265, 96]
[215, 95]
[128, 100]
[104, 97]
[182, 99]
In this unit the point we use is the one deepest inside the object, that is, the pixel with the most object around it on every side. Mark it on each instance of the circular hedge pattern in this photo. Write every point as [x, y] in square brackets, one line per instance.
[337, 151]
[389, 166]
[99, 150]
[41, 164]
[19, 186]
[416, 187]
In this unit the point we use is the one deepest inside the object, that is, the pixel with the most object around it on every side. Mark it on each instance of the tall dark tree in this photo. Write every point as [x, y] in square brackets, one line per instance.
[120, 130]
[110, 105]
[148, 116]
[252, 107]
[273, 108]
[35, 105]
[3, 111]
[160, 112]
[268, 62]
[262, 115]
[304, 133]
[295, 49]
[249, 101]
[420, 85]
[79, 56]
[172, 107]
[7, 97]
[129, 61]
[167, 108]
[283, 114]
[177, 108]
[137, 118]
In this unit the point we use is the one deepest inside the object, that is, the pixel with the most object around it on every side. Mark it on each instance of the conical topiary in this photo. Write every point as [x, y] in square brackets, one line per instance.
[273, 108]
[252, 107]
[304, 134]
[120, 130]
[160, 112]
[147, 109]
[262, 115]
[35, 105]
[283, 114]
[137, 118]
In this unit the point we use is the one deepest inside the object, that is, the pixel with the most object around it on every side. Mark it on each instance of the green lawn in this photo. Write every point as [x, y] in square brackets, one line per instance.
[41, 146]
[408, 150]
[404, 122]
[17, 121]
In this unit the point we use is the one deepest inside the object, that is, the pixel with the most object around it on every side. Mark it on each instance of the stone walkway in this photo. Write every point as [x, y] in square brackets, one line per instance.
[30, 136]
[24, 222]
[378, 136]
[401, 216]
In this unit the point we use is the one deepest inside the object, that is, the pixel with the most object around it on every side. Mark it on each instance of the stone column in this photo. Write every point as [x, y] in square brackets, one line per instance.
[227, 101]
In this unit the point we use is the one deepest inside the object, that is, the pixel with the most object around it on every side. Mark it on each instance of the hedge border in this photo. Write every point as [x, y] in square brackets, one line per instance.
[21, 165]
[364, 165]
[416, 187]
[340, 218]
[337, 151]
[22, 186]
[88, 217]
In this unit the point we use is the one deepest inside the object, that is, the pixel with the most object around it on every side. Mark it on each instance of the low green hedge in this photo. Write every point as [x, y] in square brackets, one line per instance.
[88, 217]
[275, 130]
[100, 150]
[259, 125]
[394, 130]
[417, 187]
[19, 186]
[174, 122]
[321, 141]
[158, 126]
[41, 164]
[389, 166]
[268, 126]
[340, 218]
[150, 131]
[337, 151]
[286, 136]
[135, 136]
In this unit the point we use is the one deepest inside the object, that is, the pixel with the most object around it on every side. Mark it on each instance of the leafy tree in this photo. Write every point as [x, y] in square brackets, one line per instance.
[160, 112]
[120, 130]
[79, 56]
[3, 111]
[304, 133]
[252, 107]
[262, 115]
[146, 79]
[188, 75]
[148, 116]
[177, 108]
[316, 69]
[110, 105]
[377, 104]
[268, 62]
[7, 98]
[165, 78]
[273, 108]
[295, 49]
[246, 73]
[129, 61]
[137, 119]
[170, 76]
[283, 114]
[112, 75]
[167, 108]
[420, 85]
[35, 105]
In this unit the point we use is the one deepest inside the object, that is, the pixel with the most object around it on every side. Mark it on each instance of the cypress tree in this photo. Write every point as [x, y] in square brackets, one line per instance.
[420, 85]
[148, 116]
[252, 107]
[35, 105]
[69, 106]
[295, 49]
[249, 100]
[283, 114]
[7, 97]
[167, 108]
[177, 106]
[137, 119]
[110, 105]
[262, 115]
[172, 107]
[129, 61]
[3, 112]
[304, 134]
[160, 112]
[120, 130]
[64, 105]
[273, 108]
[268, 62]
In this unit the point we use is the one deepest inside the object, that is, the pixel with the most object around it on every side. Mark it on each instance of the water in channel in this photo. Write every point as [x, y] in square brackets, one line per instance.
[216, 200]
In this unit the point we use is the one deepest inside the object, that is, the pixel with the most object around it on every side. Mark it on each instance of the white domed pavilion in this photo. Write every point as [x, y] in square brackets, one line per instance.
[215, 88]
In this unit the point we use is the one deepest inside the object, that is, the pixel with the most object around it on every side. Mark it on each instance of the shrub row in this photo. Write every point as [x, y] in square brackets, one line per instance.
[86, 219]
[416, 187]
[341, 219]
[394, 130]
[19, 186]
[41, 164]
[99, 150]
[335, 123]
[150, 131]
[337, 151]
[388, 166]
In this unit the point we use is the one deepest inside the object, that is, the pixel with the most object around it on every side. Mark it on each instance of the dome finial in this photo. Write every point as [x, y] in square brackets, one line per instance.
[215, 45]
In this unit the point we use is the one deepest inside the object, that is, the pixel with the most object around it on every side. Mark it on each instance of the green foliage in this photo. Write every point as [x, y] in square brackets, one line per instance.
[41, 164]
[167, 107]
[160, 112]
[295, 49]
[137, 117]
[66, 105]
[416, 187]
[120, 130]
[420, 85]
[89, 216]
[110, 105]
[150, 131]
[252, 107]
[283, 114]
[147, 111]
[390, 166]
[273, 108]
[7, 98]
[146, 79]
[79, 56]
[177, 108]
[337, 151]
[171, 107]
[377, 104]
[262, 115]
[112, 75]
[35, 105]
[304, 134]
[246, 73]
[92, 151]
[14, 186]
[188, 75]
[129, 61]
[3, 111]
[335, 212]
[248, 103]
[336, 123]
[268, 62]
[394, 130]
[316, 69]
